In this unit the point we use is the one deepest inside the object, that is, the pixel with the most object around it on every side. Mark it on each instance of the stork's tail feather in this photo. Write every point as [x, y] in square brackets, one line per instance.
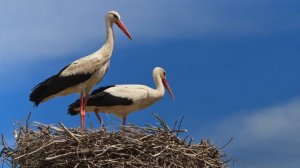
[38, 93]
[73, 106]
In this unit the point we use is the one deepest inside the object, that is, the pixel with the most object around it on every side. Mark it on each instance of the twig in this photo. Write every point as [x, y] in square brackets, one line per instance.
[38, 124]
[224, 146]
[175, 124]
[76, 165]
[69, 132]
[159, 153]
[162, 123]
[178, 131]
[191, 140]
[59, 156]
[37, 149]
[27, 121]
[151, 126]
[144, 137]
[4, 144]
[66, 154]
[179, 126]
[210, 164]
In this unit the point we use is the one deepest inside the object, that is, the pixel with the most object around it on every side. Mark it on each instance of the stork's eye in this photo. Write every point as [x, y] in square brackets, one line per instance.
[115, 16]
[164, 73]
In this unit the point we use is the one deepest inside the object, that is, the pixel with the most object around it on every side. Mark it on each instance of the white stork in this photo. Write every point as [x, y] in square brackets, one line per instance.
[124, 99]
[81, 75]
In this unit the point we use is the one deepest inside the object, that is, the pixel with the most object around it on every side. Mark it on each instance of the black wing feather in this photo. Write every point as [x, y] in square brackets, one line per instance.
[107, 99]
[100, 98]
[56, 84]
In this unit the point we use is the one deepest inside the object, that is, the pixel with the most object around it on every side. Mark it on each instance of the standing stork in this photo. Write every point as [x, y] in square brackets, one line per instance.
[124, 99]
[81, 75]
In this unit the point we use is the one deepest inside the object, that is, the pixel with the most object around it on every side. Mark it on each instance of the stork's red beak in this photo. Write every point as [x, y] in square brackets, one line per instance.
[165, 82]
[123, 28]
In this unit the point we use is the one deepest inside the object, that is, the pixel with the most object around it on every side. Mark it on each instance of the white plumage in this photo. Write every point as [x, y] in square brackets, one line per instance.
[121, 100]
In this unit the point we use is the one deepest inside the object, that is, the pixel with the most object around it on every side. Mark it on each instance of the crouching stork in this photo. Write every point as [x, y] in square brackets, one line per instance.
[122, 100]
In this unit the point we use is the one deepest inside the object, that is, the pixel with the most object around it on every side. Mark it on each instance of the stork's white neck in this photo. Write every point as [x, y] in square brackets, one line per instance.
[159, 84]
[109, 34]
[106, 50]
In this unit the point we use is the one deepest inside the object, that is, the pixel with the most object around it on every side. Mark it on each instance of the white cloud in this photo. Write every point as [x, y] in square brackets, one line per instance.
[268, 137]
[54, 28]
[275, 121]
[267, 124]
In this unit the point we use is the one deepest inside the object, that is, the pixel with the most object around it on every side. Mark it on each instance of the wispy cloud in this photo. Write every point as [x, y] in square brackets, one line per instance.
[268, 137]
[54, 28]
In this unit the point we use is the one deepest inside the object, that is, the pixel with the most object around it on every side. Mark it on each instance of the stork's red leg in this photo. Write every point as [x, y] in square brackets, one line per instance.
[124, 120]
[100, 120]
[85, 99]
[81, 111]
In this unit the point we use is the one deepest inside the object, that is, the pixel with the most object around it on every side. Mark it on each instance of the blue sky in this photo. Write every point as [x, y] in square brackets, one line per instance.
[233, 66]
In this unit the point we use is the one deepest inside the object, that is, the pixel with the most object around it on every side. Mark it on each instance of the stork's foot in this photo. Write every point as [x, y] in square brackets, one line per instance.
[103, 128]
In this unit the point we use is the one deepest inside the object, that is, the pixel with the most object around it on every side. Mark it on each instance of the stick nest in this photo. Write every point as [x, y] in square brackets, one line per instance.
[130, 147]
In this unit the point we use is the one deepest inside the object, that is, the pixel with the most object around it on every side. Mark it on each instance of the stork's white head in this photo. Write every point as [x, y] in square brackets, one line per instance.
[160, 71]
[163, 75]
[114, 17]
